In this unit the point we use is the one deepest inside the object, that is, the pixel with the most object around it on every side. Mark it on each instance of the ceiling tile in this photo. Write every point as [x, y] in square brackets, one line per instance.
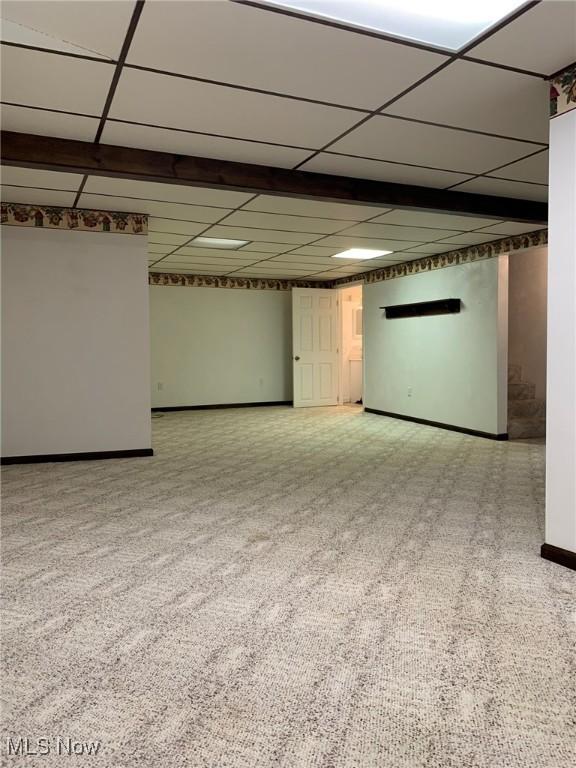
[388, 138]
[286, 223]
[328, 275]
[170, 239]
[306, 268]
[112, 203]
[55, 82]
[385, 244]
[182, 212]
[279, 263]
[198, 254]
[401, 258]
[340, 263]
[381, 171]
[500, 101]
[395, 232]
[25, 36]
[358, 268]
[221, 110]
[170, 193]
[218, 147]
[255, 256]
[156, 224]
[267, 247]
[29, 196]
[30, 177]
[512, 228]
[384, 261]
[276, 274]
[160, 248]
[469, 238]
[210, 253]
[330, 65]
[360, 274]
[434, 220]
[406, 256]
[541, 40]
[289, 258]
[183, 271]
[427, 249]
[501, 187]
[533, 168]
[265, 235]
[316, 208]
[204, 264]
[46, 123]
[315, 250]
[266, 266]
[99, 27]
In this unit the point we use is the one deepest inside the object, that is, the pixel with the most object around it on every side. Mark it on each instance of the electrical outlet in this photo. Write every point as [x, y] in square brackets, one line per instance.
[409, 391]
[160, 386]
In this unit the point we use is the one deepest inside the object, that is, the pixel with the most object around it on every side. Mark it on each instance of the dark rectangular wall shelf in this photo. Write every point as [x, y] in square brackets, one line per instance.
[424, 308]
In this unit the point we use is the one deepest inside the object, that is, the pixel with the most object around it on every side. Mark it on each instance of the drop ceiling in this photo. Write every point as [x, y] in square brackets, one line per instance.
[246, 83]
[285, 237]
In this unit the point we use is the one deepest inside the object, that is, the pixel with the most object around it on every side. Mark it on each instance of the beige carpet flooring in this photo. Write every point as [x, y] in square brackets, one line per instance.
[315, 588]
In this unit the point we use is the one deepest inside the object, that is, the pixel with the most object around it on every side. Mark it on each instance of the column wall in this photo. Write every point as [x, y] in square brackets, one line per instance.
[560, 536]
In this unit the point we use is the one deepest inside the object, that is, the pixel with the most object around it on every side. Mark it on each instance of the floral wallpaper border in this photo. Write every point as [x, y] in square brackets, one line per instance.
[53, 217]
[451, 259]
[563, 91]
[213, 281]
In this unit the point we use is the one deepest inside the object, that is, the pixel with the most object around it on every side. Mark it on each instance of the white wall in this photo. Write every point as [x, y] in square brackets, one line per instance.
[561, 399]
[449, 362]
[527, 315]
[75, 348]
[213, 346]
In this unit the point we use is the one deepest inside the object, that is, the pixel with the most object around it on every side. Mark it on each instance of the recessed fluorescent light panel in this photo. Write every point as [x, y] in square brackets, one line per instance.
[447, 24]
[217, 242]
[360, 253]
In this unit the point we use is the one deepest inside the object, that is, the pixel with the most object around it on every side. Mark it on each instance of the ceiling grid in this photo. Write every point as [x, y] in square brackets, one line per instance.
[290, 92]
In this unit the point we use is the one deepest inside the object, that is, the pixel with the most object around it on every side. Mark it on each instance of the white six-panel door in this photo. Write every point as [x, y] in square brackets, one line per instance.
[315, 346]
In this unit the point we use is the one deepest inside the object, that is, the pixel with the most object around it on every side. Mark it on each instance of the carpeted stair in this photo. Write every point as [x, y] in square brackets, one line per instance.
[526, 412]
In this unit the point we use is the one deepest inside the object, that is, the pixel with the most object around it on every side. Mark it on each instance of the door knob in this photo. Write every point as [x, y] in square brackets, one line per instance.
[296, 357]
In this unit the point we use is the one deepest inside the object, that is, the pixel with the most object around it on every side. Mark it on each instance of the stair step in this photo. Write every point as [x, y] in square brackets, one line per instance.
[514, 374]
[531, 408]
[525, 428]
[522, 390]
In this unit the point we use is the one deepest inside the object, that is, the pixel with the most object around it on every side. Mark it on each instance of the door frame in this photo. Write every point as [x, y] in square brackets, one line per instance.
[341, 289]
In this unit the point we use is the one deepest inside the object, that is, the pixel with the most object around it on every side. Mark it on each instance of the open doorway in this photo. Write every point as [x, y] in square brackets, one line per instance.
[527, 311]
[351, 345]
[327, 346]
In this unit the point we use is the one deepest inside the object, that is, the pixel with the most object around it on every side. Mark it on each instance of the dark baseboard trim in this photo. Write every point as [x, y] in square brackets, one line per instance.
[558, 555]
[440, 425]
[132, 453]
[219, 405]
